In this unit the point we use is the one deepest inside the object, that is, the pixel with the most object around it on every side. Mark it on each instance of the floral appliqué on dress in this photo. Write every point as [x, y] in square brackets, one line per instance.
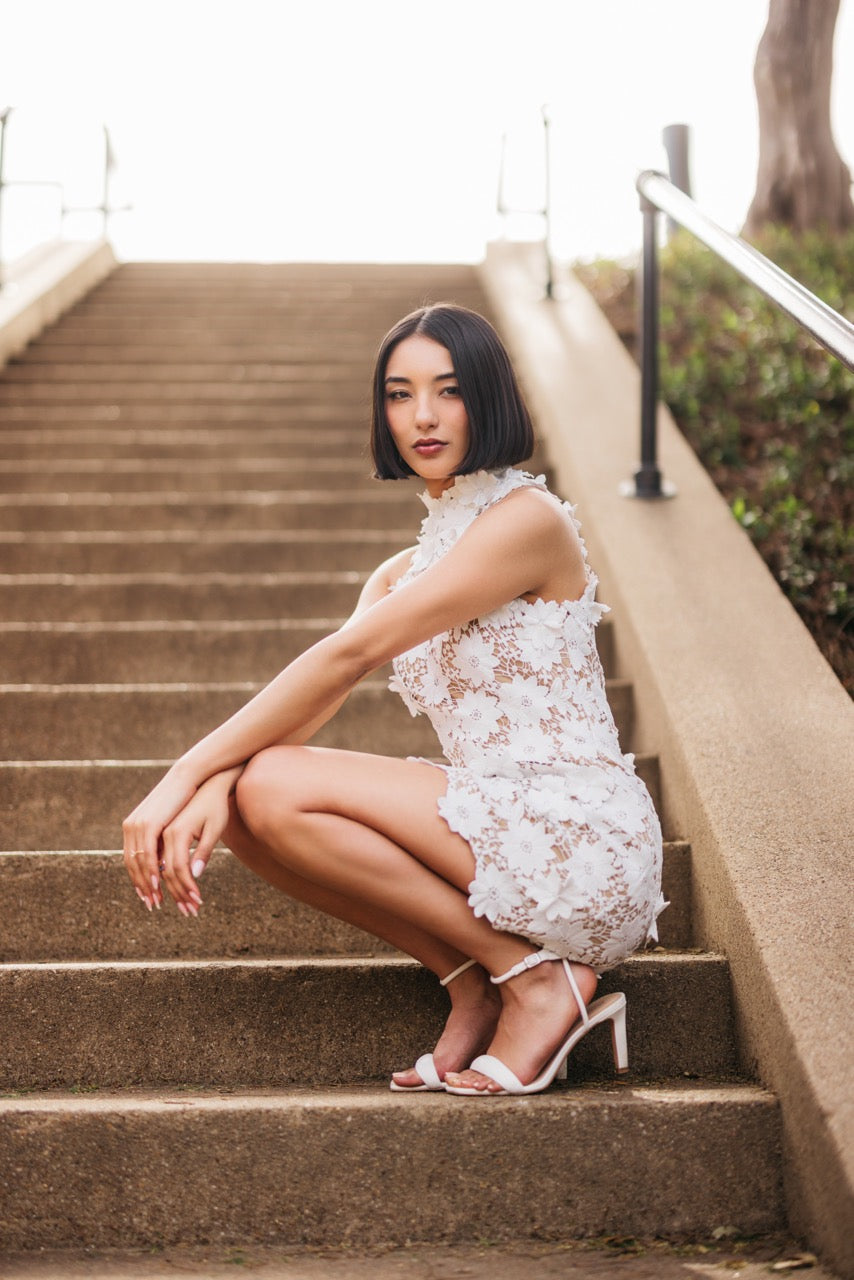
[566, 841]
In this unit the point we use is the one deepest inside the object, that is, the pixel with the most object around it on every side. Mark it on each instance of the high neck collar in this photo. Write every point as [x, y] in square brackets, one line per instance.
[466, 491]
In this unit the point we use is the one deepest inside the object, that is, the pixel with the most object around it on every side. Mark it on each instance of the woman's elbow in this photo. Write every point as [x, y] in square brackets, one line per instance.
[355, 656]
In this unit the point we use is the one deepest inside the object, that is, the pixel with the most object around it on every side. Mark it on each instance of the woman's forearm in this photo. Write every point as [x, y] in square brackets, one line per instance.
[299, 695]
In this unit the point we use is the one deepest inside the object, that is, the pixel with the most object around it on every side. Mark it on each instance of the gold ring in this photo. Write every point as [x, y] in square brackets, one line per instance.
[137, 853]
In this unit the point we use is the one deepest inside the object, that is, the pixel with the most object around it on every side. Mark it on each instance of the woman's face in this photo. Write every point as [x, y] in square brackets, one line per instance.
[425, 411]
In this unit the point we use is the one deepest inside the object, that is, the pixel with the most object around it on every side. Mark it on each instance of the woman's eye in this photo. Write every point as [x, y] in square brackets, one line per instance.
[396, 395]
[450, 391]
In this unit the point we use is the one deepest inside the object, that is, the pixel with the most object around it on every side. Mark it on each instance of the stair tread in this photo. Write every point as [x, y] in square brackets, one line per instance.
[378, 1097]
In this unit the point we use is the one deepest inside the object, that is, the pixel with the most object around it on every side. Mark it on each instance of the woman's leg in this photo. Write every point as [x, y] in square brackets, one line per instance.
[475, 1003]
[367, 828]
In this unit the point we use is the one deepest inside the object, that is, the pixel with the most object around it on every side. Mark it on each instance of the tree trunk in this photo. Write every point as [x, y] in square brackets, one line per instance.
[802, 181]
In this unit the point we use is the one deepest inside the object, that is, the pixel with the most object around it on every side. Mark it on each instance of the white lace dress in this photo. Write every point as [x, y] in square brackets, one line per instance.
[566, 842]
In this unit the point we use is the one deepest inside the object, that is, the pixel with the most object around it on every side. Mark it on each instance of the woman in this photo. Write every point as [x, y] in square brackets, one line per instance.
[537, 842]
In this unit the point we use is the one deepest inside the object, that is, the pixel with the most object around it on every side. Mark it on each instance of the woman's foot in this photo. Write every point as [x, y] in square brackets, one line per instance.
[475, 1009]
[538, 1011]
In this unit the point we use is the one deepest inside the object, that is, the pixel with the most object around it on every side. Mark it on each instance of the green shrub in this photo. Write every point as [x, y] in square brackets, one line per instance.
[767, 410]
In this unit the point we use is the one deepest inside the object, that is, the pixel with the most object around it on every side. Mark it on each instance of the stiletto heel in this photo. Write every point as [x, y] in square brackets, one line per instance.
[619, 1043]
[425, 1067]
[610, 1008]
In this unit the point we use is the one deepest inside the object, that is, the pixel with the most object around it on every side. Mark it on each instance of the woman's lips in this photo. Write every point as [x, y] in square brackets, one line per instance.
[428, 448]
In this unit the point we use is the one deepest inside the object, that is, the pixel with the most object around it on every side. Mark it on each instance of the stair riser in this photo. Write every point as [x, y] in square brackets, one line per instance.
[190, 511]
[196, 346]
[316, 1172]
[135, 725]
[48, 806]
[93, 601]
[327, 551]
[100, 653]
[243, 371]
[78, 906]
[271, 1025]
[75, 439]
[354, 415]
[135, 479]
[354, 391]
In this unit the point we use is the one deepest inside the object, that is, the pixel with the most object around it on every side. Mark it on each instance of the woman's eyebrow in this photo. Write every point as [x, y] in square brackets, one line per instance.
[440, 377]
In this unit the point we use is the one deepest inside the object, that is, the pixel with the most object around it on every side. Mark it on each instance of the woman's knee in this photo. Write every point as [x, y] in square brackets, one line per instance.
[264, 791]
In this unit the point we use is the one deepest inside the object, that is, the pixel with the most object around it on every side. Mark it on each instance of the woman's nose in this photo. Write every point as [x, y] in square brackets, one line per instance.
[424, 410]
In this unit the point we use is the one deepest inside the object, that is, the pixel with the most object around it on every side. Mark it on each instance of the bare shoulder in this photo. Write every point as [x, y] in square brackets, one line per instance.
[533, 514]
[534, 525]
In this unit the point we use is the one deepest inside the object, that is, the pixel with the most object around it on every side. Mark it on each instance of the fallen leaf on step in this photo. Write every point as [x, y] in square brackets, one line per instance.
[797, 1263]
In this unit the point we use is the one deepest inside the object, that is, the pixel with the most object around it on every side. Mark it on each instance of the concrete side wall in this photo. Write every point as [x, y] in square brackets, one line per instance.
[33, 300]
[755, 733]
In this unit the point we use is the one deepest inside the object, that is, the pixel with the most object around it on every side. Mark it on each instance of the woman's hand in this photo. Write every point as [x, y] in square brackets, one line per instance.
[142, 831]
[201, 823]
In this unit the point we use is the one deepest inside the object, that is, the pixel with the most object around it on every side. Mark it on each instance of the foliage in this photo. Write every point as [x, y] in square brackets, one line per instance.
[767, 410]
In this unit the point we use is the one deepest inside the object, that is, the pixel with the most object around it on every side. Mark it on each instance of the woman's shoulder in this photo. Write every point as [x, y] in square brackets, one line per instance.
[528, 500]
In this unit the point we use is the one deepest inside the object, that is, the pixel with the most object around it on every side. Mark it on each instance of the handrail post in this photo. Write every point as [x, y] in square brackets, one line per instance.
[647, 481]
[4, 116]
[547, 205]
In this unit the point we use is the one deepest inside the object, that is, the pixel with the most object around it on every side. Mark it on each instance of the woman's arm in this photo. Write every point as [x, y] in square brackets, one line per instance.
[182, 811]
[516, 548]
[513, 549]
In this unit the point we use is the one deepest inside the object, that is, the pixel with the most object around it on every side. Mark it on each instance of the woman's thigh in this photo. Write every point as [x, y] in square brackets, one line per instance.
[395, 797]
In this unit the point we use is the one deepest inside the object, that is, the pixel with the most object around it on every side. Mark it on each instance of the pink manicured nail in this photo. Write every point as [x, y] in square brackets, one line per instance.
[140, 894]
[147, 902]
[197, 868]
[182, 908]
[193, 910]
[155, 883]
[196, 896]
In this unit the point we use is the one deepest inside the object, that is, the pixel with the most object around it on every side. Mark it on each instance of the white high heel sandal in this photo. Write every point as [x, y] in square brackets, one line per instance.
[425, 1067]
[610, 1008]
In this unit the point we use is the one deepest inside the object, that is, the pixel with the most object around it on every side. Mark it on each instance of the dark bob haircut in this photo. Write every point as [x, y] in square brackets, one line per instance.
[500, 430]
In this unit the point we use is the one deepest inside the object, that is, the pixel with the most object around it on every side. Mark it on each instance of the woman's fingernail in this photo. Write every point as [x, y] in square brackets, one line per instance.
[197, 868]
[155, 883]
[147, 902]
[195, 896]
[182, 908]
[140, 894]
[192, 908]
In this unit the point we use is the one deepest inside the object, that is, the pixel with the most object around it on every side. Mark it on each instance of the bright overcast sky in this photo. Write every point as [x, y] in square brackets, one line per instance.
[370, 129]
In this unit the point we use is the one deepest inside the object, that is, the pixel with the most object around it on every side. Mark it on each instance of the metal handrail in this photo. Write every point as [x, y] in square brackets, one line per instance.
[827, 326]
[105, 208]
[546, 211]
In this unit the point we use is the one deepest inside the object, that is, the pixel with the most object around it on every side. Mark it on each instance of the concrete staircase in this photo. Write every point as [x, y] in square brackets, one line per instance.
[186, 505]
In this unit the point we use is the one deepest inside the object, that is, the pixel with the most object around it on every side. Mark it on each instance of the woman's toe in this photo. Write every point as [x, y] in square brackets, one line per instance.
[467, 1080]
[409, 1079]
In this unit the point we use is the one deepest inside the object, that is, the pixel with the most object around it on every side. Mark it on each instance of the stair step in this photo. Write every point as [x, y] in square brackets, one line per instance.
[144, 440]
[354, 388]
[200, 345]
[319, 1022]
[126, 721]
[161, 597]
[233, 509]
[306, 1167]
[176, 651]
[79, 906]
[46, 802]
[353, 414]
[186, 551]
[237, 371]
[129, 475]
